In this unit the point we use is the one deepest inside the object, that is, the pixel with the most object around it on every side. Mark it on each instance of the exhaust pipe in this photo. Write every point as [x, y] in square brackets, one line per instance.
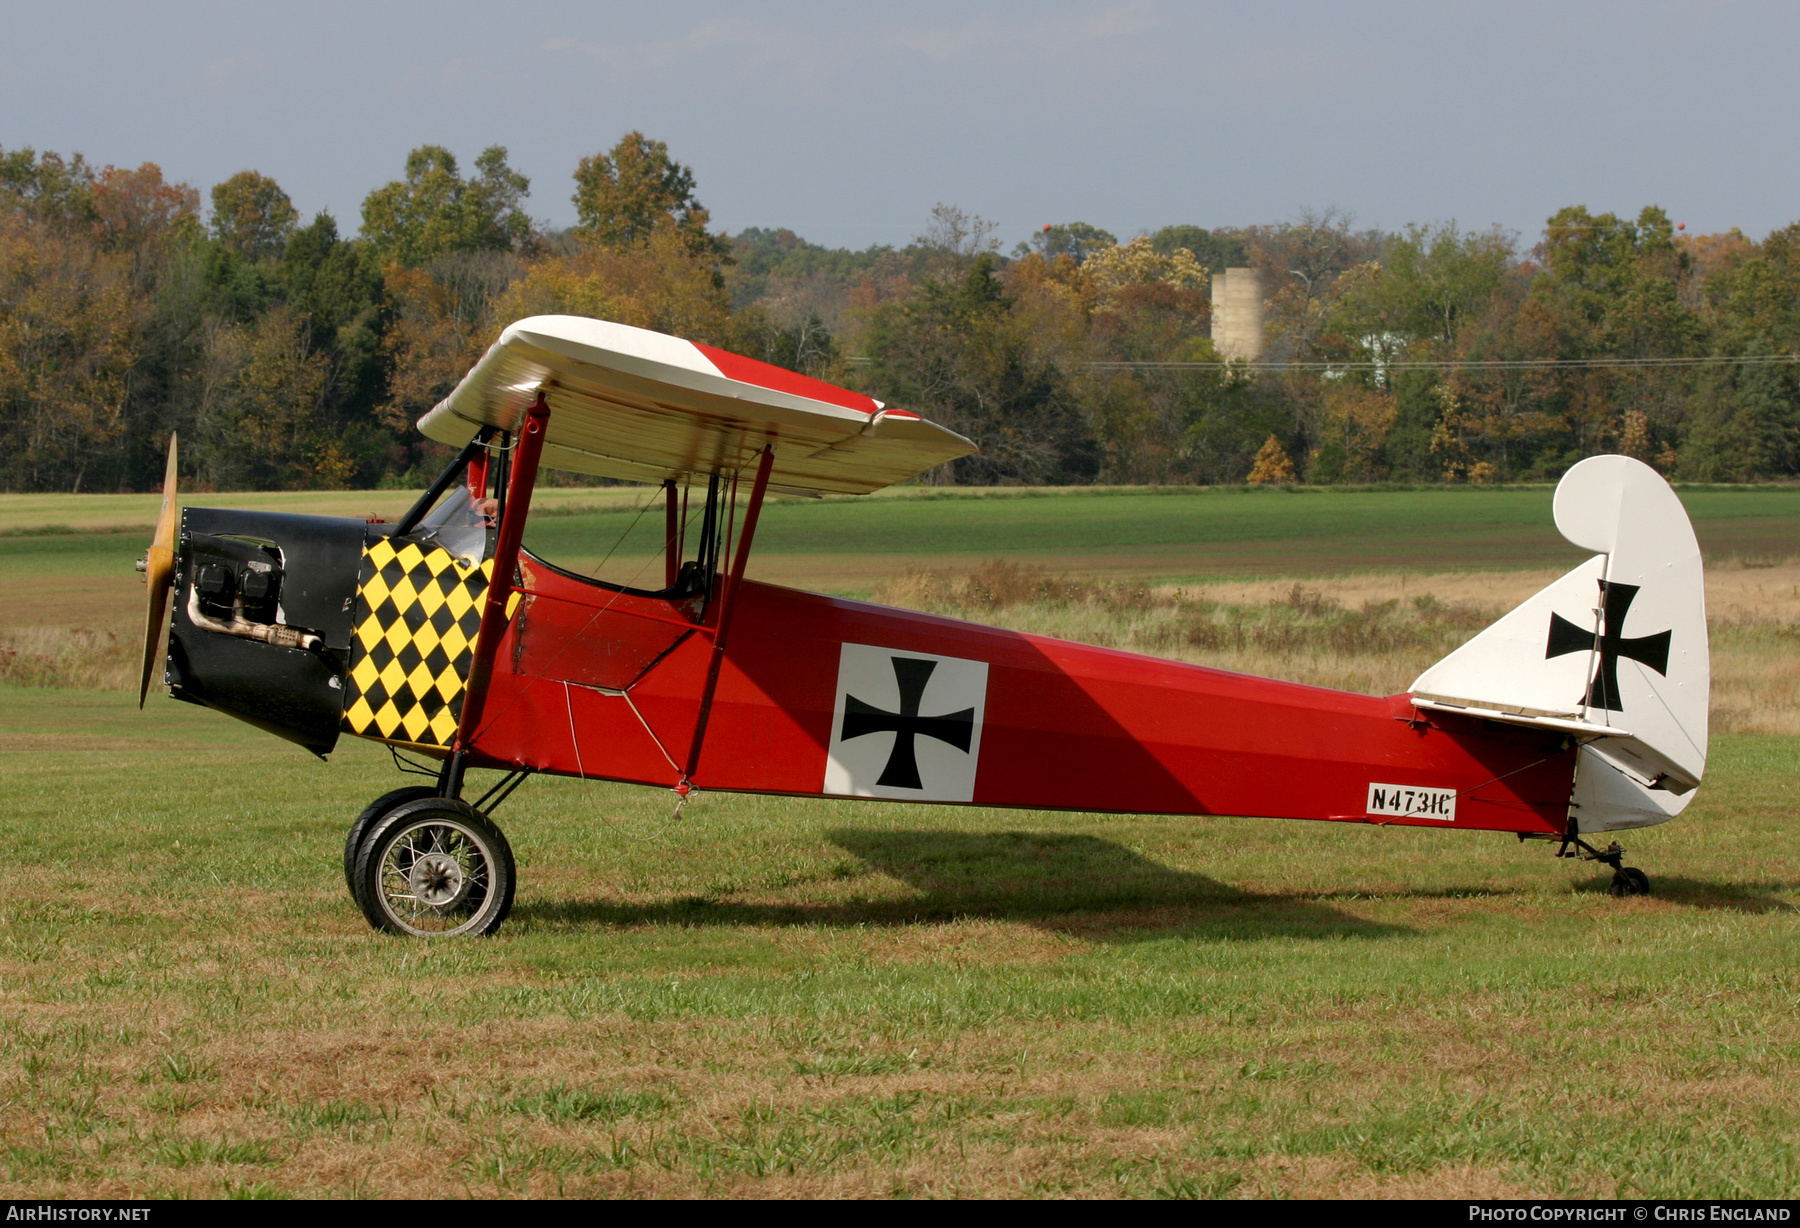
[269, 633]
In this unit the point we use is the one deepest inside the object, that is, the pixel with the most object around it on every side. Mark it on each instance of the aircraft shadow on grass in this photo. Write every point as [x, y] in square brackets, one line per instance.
[1073, 884]
[1754, 898]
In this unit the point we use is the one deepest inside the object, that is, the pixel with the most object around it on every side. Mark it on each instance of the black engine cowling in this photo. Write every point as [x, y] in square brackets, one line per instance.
[260, 582]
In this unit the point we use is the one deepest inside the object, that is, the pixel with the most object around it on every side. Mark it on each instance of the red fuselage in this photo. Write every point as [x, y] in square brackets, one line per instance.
[818, 695]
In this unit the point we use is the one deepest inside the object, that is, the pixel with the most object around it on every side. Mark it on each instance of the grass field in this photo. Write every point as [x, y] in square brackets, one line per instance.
[777, 997]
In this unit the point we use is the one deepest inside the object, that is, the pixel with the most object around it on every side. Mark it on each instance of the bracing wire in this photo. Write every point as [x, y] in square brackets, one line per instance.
[489, 722]
[642, 509]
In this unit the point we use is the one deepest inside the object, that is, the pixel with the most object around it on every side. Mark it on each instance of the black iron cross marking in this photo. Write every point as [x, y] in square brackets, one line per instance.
[902, 770]
[1651, 650]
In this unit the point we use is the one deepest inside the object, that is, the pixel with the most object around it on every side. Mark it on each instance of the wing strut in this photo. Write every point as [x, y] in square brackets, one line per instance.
[727, 607]
[672, 532]
[524, 468]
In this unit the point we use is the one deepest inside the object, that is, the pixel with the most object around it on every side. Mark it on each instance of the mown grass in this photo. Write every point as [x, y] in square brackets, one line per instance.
[781, 997]
[773, 997]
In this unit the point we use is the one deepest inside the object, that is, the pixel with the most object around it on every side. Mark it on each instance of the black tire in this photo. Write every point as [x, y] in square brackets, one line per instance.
[435, 868]
[374, 810]
[1630, 881]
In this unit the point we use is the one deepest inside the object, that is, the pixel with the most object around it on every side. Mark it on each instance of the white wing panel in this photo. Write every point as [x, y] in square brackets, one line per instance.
[629, 403]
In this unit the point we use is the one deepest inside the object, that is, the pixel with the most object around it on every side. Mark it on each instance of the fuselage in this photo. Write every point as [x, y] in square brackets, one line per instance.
[818, 695]
[597, 682]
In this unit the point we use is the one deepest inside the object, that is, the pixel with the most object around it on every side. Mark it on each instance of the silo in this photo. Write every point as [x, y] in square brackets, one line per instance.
[1237, 321]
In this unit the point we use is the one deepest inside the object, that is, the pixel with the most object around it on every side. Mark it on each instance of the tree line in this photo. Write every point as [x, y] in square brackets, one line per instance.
[290, 354]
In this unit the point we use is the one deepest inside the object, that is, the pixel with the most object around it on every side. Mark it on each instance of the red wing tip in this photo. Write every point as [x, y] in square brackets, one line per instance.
[780, 379]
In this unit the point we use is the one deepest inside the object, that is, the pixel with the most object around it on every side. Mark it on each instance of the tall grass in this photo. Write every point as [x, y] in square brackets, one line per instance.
[1344, 634]
[776, 996]
[78, 658]
[1330, 633]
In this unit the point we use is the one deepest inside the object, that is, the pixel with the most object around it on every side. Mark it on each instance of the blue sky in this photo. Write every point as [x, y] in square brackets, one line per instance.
[848, 122]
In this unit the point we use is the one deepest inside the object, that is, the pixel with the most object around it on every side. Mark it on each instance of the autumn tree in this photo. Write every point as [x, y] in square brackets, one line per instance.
[263, 387]
[658, 284]
[69, 323]
[136, 209]
[444, 315]
[1350, 431]
[1154, 423]
[434, 210]
[1215, 249]
[47, 189]
[961, 352]
[1304, 264]
[251, 216]
[625, 195]
[1072, 239]
[1745, 420]
[806, 345]
[1272, 464]
[1438, 294]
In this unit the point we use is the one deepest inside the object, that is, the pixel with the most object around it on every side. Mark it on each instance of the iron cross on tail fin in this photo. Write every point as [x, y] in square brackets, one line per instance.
[1609, 645]
[1613, 653]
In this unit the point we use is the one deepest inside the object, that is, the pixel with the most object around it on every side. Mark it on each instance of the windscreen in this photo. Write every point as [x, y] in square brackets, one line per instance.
[460, 524]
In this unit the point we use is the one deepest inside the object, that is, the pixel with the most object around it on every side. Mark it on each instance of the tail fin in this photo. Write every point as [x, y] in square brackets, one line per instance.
[1614, 652]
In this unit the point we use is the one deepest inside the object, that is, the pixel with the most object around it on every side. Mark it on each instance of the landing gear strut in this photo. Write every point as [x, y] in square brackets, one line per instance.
[1627, 880]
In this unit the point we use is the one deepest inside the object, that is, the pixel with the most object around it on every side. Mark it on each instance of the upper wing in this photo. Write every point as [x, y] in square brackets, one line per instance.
[630, 403]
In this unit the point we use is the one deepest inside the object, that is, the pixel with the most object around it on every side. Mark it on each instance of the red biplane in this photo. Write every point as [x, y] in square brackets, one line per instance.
[1582, 711]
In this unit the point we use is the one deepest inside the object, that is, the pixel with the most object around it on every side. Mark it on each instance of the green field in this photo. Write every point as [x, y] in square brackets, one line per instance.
[773, 997]
[1178, 532]
[75, 559]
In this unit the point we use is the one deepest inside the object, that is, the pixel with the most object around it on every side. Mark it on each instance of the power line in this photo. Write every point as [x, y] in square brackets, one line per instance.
[1479, 364]
[1412, 364]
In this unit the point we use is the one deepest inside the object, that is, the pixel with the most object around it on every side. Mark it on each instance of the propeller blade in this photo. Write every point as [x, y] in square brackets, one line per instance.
[159, 572]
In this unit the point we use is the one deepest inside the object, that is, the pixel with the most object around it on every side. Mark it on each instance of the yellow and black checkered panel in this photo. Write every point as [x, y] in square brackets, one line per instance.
[418, 611]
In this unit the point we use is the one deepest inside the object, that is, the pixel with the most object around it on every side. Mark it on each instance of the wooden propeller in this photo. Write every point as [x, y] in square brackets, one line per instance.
[159, 571]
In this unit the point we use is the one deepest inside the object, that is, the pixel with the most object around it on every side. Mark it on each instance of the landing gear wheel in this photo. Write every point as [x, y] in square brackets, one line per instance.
[1630, 881]
[373, 811]
[434, 868]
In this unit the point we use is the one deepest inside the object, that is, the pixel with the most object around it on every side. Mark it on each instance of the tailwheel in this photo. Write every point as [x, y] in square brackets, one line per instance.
[1626, 880]
[434, 868]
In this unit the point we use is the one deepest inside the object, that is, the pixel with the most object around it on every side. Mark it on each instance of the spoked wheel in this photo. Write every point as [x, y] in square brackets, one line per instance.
[373, 812]
[1630, 881]
[435, 868]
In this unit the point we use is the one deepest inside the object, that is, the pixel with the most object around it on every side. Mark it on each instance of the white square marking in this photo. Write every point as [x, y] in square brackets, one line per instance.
[906, 725]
